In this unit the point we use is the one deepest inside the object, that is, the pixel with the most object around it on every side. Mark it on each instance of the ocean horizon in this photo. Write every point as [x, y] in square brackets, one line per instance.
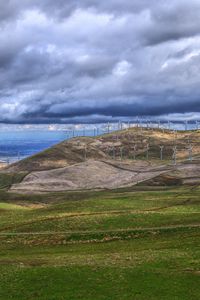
[19, 144]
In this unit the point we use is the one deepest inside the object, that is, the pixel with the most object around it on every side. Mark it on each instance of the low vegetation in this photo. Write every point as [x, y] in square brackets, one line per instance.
[134, 243]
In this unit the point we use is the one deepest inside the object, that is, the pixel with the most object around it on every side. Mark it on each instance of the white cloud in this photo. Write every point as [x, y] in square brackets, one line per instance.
[122, 68]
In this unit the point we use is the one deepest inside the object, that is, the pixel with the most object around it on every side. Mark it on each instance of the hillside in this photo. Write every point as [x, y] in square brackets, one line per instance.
[114, 160]
[87, 175]
[121, 145]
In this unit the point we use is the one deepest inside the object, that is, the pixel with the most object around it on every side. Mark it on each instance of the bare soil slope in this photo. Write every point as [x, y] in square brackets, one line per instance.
[184, 173]
[87, 175]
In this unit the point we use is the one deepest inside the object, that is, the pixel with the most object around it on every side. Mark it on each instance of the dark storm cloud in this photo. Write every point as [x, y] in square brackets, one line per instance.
[174, 21]
[152, 108]
[87, 61]
[62, 8]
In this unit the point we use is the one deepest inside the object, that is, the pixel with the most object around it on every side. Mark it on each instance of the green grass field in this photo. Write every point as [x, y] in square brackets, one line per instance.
[136, 243]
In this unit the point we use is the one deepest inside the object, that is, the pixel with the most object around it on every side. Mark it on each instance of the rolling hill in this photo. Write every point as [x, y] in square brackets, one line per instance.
[114, 160]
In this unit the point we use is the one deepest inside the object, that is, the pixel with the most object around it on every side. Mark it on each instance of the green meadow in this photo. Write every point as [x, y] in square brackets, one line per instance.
[135, 243]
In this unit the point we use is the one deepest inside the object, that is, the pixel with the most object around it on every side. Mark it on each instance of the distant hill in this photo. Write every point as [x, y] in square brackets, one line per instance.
[117, 146]
[114, 160]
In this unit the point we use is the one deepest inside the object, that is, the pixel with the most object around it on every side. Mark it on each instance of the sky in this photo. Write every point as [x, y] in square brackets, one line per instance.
[87, 61]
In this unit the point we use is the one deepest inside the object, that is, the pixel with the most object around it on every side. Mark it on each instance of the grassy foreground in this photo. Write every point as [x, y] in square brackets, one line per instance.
[126, 244]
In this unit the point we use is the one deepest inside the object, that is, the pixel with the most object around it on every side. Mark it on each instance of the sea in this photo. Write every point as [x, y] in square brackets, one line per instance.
[19, 144]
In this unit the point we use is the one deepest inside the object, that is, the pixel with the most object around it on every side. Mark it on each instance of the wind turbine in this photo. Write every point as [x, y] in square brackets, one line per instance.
[174, 155]
[161, 152]
[190, 148]
[147, 151]
[186, 125]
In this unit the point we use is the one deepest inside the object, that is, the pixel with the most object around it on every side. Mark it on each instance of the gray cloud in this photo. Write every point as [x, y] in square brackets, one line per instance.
[81, 61]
